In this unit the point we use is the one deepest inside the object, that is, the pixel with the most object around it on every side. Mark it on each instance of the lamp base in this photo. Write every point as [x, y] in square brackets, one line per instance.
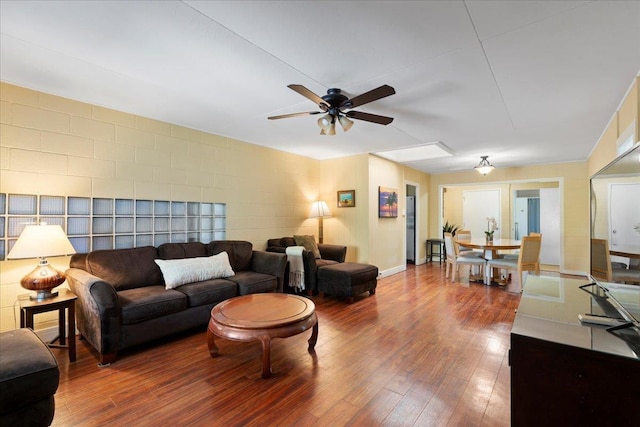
[43, 295]
[42, 280]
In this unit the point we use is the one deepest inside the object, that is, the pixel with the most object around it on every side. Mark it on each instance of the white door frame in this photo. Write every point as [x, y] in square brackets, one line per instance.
[417, 225]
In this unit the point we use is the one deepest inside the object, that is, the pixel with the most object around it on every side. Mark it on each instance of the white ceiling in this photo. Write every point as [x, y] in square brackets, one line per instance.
[524, 82]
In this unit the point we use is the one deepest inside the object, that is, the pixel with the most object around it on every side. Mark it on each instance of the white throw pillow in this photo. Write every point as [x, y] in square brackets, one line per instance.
[178, 272]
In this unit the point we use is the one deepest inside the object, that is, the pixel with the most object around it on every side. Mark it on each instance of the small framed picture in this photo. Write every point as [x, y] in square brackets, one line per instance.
[347, 199]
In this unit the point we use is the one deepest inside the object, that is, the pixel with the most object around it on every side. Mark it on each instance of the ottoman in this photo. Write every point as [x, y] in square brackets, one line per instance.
[29, 378]
[347, 279]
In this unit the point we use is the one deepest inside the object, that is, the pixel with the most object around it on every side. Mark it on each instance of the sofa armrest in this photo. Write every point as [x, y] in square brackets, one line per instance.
[97, 310]
[336, 253]
[270, 263]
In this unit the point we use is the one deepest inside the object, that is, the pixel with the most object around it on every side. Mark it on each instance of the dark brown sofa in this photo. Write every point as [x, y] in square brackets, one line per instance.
[123, 302]
[329, 255]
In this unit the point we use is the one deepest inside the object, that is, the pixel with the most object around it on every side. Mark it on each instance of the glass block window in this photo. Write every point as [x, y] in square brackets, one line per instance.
[102, 223]
[22, 204]
[51, 205]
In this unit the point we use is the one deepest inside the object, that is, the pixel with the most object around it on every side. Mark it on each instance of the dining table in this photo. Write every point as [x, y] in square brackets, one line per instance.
[490, 250]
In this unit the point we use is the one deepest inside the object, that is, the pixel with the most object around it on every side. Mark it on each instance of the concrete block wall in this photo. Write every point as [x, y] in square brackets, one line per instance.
[56, 146]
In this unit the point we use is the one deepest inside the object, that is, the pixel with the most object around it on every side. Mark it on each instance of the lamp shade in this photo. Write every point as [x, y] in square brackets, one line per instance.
[345, 123]
[324, 122]
[319, 209]
[39, 241]
[331, 130]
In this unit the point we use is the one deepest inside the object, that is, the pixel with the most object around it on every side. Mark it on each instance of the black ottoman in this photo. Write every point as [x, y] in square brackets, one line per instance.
[29, 378]
[347, 279]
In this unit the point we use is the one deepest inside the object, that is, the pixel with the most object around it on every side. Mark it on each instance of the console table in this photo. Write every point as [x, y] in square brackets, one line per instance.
[567, 373]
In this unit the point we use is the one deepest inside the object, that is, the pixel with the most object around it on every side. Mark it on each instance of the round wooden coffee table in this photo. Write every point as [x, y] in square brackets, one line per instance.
[262, 317]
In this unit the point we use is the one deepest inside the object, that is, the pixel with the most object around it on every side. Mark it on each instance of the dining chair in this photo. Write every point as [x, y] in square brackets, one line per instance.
[528, 260]
[516, 253]
[603, 268]
[465, 235]
[455, 259]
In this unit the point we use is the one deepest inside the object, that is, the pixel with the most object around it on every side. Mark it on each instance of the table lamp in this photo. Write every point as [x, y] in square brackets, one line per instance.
[40, 241]
[319, 210]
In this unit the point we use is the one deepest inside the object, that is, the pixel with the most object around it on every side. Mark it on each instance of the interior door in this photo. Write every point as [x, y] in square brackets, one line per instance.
[521, 217]
[477, 206]
[624, 214]
[550, 226]
[411, 229]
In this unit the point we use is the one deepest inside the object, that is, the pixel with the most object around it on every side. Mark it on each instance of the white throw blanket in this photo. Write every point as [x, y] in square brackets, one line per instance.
[296, 267]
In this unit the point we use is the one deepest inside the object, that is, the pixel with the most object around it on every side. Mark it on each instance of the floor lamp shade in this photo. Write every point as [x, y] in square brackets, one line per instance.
[41, 241]
[319, 210]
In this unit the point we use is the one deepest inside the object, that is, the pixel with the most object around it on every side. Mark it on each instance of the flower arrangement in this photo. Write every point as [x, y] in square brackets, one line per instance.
[492, 226]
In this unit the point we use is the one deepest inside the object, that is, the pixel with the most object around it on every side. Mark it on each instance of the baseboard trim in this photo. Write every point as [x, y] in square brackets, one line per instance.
[391, 271]
[576, 273]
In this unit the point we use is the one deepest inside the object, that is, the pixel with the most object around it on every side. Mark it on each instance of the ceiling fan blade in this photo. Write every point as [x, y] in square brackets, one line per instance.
[310, 95]
[372, 95]
[373, 118]
[286, 116]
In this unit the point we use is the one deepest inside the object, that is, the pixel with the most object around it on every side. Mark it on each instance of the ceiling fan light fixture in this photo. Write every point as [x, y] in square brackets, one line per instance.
[332, 104]
[484, 167]
[345, 123]
[332, 128]
[324, 122]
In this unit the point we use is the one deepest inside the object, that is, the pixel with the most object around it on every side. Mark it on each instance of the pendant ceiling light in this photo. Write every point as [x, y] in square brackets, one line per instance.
[484, 167]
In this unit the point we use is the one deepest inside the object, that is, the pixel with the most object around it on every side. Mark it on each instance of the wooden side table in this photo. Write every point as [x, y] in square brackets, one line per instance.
[64, 300]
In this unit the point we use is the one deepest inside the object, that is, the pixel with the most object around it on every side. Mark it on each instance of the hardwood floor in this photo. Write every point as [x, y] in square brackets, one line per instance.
[422, 351]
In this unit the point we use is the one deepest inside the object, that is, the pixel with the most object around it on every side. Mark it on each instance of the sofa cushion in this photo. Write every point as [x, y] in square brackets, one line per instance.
[282, 242]
[182, 250]
[209, 291]
[28, 371]
[277, 249]
[240, 252]
[322, 262]
[149, 302]
[309, 243]
[125, 268]
[250, 282]
[178, 272]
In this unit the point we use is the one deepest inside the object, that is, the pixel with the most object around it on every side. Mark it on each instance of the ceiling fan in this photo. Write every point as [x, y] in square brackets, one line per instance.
[335, 102]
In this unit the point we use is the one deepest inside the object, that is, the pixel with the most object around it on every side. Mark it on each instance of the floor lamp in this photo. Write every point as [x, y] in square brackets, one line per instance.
[319, 210]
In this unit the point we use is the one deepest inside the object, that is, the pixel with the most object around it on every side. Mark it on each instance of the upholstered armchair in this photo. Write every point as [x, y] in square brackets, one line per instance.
[329, 254]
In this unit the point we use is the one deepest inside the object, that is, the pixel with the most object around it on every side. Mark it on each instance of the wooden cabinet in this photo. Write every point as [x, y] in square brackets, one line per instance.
[566, 373]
